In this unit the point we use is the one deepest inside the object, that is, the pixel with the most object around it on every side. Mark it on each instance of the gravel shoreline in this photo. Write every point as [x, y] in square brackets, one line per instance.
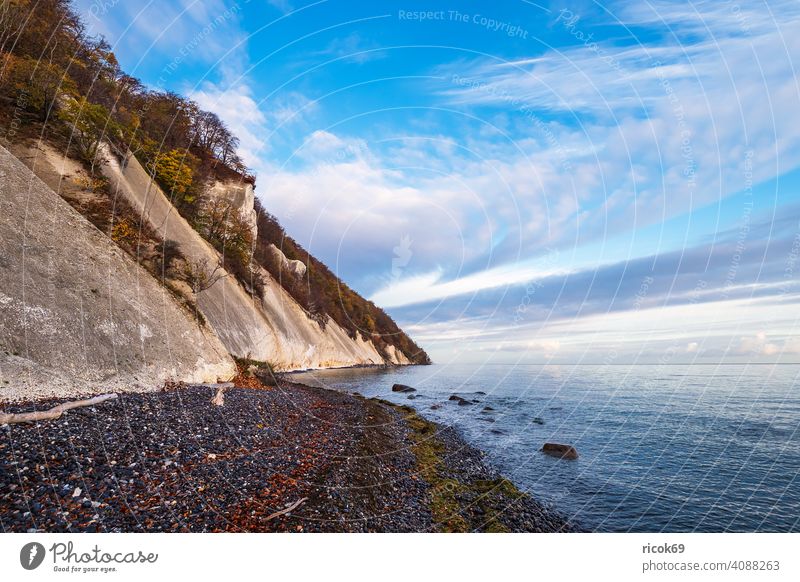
[171, 461]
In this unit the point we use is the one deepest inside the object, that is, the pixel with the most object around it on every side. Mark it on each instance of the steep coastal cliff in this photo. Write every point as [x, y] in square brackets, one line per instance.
[134, 249]
[78, 314]
[81, 316]
[269, 327]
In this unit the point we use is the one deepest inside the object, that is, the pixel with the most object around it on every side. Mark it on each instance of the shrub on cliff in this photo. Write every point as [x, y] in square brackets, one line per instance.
[173, 172]
[33, 86]
[221, 224]
[88, 125]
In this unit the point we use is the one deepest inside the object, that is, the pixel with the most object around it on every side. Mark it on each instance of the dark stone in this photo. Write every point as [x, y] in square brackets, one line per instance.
[537, 420]
[403, 388]
[461, 401]
[567, 452]
[488, 409]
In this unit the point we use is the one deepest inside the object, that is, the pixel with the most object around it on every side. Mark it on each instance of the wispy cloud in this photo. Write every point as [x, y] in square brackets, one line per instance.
[190, 30]
[429, 287]
[352, 47]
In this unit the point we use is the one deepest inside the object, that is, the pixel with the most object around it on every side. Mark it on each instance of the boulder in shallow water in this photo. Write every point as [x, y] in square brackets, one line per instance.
[461, 401]
[403, 388]
[567, 452]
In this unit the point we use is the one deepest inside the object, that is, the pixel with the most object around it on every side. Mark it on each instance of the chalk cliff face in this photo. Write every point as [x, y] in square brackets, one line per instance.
[81, 316]
[271, 328]
[295, 267]
[78, 315]
[240, 195]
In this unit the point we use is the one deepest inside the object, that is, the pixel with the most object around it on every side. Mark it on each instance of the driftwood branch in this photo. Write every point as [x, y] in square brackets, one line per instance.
[292, 507]
[219, 397]
[54, 412]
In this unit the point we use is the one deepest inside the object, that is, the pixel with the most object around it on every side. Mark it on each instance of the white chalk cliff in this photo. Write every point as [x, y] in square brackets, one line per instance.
[271, 328]
[240, 195]
[79, 315]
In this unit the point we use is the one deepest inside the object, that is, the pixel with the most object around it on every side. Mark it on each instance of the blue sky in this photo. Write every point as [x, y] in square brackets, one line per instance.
[517, 181]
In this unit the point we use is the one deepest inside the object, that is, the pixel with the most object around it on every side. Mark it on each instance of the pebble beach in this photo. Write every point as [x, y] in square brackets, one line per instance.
[281, 458]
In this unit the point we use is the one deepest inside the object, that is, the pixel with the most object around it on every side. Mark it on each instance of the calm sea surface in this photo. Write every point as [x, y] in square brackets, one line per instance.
[662, 448]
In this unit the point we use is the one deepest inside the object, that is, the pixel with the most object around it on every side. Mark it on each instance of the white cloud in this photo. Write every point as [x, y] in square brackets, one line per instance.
[292, 107]
[647, 335]
[547, 348]
[758, 345]
[488, 196]
[428, 287]
[667, 126]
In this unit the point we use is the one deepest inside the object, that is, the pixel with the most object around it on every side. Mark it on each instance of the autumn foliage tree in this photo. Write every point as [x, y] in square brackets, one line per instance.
[173, 170]
[89, 125]
[222, 224]
[46, 57]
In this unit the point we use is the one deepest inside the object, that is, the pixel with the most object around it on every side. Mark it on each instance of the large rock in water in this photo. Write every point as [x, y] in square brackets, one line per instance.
[403, 388]
[80, 316]
[562, 451]
[461, 401]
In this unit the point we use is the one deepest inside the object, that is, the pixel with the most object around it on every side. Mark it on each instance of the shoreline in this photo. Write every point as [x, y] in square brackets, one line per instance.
[172, 461]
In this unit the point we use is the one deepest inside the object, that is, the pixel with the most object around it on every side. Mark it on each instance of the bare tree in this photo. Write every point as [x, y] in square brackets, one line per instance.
[200, 277]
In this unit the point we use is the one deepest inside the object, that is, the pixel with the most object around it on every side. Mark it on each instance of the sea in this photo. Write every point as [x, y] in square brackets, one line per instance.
[662, 448]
